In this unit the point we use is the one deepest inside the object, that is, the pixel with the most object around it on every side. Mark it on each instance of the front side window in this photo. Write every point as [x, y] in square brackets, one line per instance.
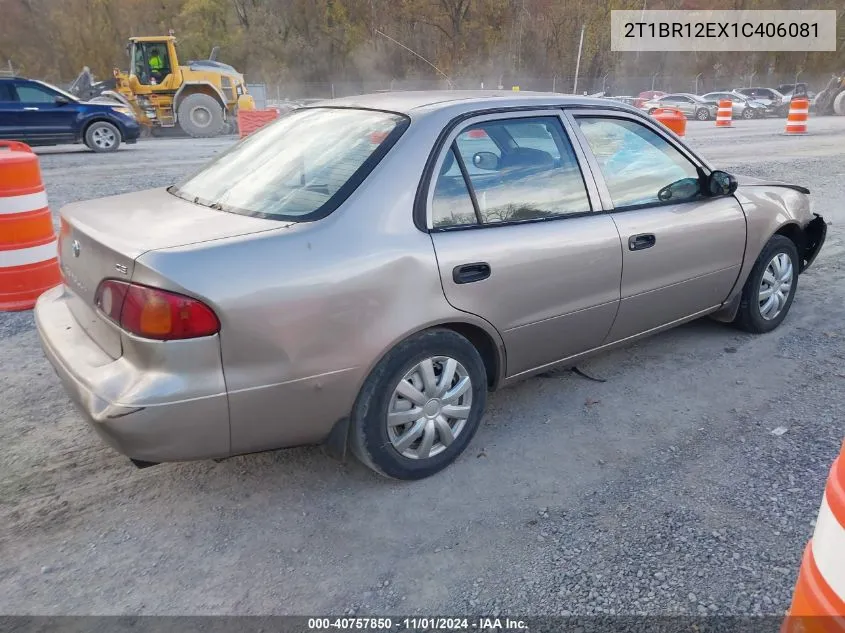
[303, 165]
[29, 93]
[639, 166]
[518, 170]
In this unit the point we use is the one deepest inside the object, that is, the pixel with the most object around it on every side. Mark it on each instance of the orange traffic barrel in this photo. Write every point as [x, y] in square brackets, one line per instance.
[724, 114]
[799, 111]
[672, 118]
[28, 253]
[818, 604]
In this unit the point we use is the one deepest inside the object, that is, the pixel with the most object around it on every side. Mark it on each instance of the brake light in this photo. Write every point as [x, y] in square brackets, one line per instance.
[154, 313]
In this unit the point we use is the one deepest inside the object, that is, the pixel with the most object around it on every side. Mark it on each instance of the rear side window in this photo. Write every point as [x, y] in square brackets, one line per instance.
[517, 170]
[639, 166]
[301, 167]
[6, 93]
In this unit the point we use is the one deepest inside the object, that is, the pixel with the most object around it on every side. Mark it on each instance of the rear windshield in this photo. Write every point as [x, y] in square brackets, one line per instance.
[301, 167]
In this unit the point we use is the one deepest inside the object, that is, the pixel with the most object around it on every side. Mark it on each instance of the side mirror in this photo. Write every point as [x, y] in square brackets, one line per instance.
[721, 183]
[680, 190]
[486, 160]
[60, 101]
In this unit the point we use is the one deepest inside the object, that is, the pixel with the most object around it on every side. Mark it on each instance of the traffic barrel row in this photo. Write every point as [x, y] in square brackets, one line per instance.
[28, 248]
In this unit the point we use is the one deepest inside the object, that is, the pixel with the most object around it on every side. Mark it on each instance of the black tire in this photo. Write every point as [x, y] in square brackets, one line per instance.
[749, 317]
[200, 116]
[702, 114]
[652, 111]
[369, 438]
[839, 104]
[102, 137]
[748, 114]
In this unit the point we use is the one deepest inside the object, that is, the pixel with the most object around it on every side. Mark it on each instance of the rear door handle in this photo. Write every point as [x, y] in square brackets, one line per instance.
[639, 242]
[469, 273]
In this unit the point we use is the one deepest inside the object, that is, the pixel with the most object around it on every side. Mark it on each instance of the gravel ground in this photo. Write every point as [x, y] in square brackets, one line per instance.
[662, 491]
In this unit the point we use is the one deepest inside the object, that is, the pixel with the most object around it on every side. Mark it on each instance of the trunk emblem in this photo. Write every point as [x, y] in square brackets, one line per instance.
[123, 270]
[75, 248]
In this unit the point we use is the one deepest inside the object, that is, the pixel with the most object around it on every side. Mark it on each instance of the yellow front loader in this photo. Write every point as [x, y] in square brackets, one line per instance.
[202, 97]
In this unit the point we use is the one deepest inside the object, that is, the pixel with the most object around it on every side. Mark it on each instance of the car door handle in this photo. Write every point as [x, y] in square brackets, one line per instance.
[640, 242]
[469, 273]
[30, 108]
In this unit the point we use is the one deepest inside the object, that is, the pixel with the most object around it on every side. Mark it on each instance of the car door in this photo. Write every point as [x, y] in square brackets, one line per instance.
[43, 118]
[682, 251]
[519, 239]
[10, 110]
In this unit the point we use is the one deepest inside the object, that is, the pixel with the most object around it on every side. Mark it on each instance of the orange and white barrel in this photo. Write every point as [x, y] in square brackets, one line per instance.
[818, 604]
[724, 115]
[28, 251]
[799, 112]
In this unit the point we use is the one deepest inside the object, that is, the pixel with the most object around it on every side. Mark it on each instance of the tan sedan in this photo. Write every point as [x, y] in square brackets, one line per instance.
[363, 271]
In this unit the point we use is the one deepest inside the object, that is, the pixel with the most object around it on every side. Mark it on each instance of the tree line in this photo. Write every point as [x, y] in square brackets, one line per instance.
[301, 41]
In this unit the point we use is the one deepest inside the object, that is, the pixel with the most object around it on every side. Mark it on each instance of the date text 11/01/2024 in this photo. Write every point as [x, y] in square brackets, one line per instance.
[418, 624]
[715, 30]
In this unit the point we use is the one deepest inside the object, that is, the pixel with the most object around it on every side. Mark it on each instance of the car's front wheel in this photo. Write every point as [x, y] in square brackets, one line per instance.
[770, 289]
[748, 113]
[702, 114]
[421, 405]
[102, 136]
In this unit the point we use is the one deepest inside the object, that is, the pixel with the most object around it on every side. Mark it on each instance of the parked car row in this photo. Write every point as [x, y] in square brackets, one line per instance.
[748, 103]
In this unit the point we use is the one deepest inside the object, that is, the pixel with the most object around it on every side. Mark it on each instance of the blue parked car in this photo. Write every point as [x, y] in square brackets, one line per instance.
[37, 113]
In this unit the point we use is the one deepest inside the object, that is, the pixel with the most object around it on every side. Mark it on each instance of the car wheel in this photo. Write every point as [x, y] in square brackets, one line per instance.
[652, 111]
[200, 116]
[702, 114]
[102, 136]
[770, 288]
[420, 406]
[748, 113]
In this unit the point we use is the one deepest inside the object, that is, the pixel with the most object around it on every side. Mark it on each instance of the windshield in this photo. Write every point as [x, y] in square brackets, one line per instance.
[301, 167]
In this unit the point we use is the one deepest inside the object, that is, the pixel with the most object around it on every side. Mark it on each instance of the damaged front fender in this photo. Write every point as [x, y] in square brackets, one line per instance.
[815, 234]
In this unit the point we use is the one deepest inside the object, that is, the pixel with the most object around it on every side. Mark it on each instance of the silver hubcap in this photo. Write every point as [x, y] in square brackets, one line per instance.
[775, 286]
[200, 116]
[429, 407]
[103, 137]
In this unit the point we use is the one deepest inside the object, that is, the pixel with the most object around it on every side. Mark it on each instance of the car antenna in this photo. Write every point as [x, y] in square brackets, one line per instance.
[398, 43]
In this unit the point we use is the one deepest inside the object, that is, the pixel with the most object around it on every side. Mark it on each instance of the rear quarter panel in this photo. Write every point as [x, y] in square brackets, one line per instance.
[307, 311]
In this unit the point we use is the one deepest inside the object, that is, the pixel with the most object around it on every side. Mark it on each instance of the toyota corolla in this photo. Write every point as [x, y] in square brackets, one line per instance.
[363, 271]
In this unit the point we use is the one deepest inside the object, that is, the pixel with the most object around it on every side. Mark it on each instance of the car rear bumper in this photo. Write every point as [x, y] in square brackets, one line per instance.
[145, 410]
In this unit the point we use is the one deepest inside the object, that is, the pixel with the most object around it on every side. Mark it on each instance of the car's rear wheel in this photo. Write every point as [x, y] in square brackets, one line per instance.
[702, 114]
[420, 406]
[102, 136]
[652, 111]
[770, 289]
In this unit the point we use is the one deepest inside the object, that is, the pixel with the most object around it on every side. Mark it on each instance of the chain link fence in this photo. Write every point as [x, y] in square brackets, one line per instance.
[609, 84]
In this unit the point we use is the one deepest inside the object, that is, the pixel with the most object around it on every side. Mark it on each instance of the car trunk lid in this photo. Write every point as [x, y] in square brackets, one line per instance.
[101, 239]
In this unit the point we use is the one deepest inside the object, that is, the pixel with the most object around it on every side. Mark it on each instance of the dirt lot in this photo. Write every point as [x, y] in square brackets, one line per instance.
[662, 490]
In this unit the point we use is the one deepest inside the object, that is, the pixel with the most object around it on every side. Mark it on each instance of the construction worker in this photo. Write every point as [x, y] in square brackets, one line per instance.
[157, 66]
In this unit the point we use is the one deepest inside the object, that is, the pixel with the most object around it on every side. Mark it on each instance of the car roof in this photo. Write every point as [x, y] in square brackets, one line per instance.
[410, 102]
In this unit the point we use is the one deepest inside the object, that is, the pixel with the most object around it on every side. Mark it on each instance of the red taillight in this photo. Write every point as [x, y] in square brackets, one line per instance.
[153, 313]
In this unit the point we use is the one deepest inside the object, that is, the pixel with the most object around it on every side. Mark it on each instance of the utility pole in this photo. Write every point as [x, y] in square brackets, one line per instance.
[578, 61]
